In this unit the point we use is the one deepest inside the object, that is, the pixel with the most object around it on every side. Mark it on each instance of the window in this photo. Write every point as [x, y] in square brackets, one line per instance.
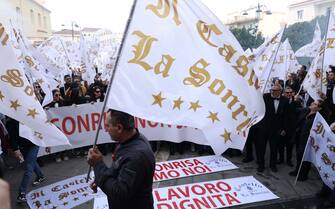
[300, 14]
[45, 22]
[32, 18]
[39, 20]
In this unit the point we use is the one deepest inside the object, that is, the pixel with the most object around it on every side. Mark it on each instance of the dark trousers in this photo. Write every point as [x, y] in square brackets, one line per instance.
[250, 143]
[261, 143]
[285, 144]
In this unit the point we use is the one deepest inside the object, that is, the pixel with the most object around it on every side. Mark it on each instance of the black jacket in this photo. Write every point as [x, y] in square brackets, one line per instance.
[128, 182]
[16, 141]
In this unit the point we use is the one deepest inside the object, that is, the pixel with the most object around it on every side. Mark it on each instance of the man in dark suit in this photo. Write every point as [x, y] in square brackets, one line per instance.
[271, 127]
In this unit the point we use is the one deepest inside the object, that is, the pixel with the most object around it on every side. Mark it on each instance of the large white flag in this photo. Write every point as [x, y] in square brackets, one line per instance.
[285, 62]
[330, 44]
[264, 59]
[311, 49]
[320, 150]
[315, 81]
[18, 101]
[180, 65]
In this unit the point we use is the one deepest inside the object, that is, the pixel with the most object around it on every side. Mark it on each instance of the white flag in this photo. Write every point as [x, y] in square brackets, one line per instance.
[330, 44]
[285, 62]
[320, 150]
[316, 78]
[18, 101]
[311, 49]
[184, 67]
[264, 58]
[88, 71]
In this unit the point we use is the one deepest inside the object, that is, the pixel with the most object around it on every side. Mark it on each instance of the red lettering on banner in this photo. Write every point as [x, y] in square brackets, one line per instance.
[176, 165]
[197, 162]
[158, 176]
[164, 206]
[173, 194]
[152, 124]
[211, 187]
[158, 167]
[185, 193]
[219, 198]
[179, 127]
[54, 120]
[189, 163]
[223, 186]
[188, 171]
[168, 166]
[201, 203]
[158, 197]
[73, 125]
[95, 120]
[173, 174]
[231, 199]
[142, 122]
[200, 170]
[182, 205]
[212, 202]
[201, 192]
[85, 123]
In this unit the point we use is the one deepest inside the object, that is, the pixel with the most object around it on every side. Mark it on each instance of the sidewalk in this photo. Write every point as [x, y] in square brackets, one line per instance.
[281, 184]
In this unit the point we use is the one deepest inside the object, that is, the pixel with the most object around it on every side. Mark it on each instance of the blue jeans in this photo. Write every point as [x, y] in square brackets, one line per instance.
[31, 165]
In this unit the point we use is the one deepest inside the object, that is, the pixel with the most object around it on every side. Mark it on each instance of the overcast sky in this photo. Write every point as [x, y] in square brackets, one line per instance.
[112, 14]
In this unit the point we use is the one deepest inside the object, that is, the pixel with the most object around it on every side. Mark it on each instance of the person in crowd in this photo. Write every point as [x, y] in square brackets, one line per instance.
[128, 182]
[67, 86]
[26, 152]
[78, 81]
[97, 82]
[292, 82]
[306, 120]
[38, 92]
[76, 96]
[329, 93]
[271, 127]
[57, 99]
[302, 72]
[252, 136]
[98, 95]
[285, 142]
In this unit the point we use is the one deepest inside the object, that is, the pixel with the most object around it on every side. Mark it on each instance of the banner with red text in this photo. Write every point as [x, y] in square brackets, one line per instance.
[210, 195]
[191, 167]
[79, 123]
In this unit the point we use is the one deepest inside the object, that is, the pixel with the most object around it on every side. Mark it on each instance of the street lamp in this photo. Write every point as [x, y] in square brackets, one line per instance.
[73, 25]
[260, 8]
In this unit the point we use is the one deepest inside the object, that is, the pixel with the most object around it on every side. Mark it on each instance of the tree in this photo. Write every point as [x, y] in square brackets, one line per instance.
[247, 37]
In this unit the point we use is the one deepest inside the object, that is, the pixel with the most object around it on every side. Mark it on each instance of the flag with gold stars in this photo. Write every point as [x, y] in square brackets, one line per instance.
[311, 49]
[263, 60]
[18, 100]
[320, 150]
[180, 65]
[315, 81]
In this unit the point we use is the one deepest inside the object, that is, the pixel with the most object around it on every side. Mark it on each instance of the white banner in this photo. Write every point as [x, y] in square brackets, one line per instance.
[183, 66]
[79, 123]
[191, 167]
[64, 194]
[210, 195]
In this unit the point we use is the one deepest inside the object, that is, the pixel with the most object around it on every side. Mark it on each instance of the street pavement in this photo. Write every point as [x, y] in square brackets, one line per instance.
[280, 183]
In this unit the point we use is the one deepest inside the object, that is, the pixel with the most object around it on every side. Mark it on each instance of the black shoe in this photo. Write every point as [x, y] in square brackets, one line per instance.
[247, 160]
[38, 180]
[293, 173]
[260, 169]
[21, 198]
[289, 163]
[274, 169]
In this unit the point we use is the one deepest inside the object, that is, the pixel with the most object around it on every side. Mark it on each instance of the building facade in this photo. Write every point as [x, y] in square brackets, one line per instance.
[31, 17]
[306, 10]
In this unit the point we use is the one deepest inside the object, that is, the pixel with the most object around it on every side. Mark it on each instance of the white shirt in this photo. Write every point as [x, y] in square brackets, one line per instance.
[276, 104]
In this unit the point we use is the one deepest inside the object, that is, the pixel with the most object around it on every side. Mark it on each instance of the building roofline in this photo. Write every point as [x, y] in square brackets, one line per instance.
[40, 5]
[306, 2]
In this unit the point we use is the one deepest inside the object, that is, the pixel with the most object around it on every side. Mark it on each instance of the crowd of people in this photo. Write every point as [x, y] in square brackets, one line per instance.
[289, 116]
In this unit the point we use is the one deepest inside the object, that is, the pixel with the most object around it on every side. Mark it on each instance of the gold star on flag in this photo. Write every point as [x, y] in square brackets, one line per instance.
[177, 103]
[14, 104]
[1, 96]
[32, 113]
[226, 136]
[40, 81]
[158, 99]
[195, 106]
[213, 116]
[38, 135]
